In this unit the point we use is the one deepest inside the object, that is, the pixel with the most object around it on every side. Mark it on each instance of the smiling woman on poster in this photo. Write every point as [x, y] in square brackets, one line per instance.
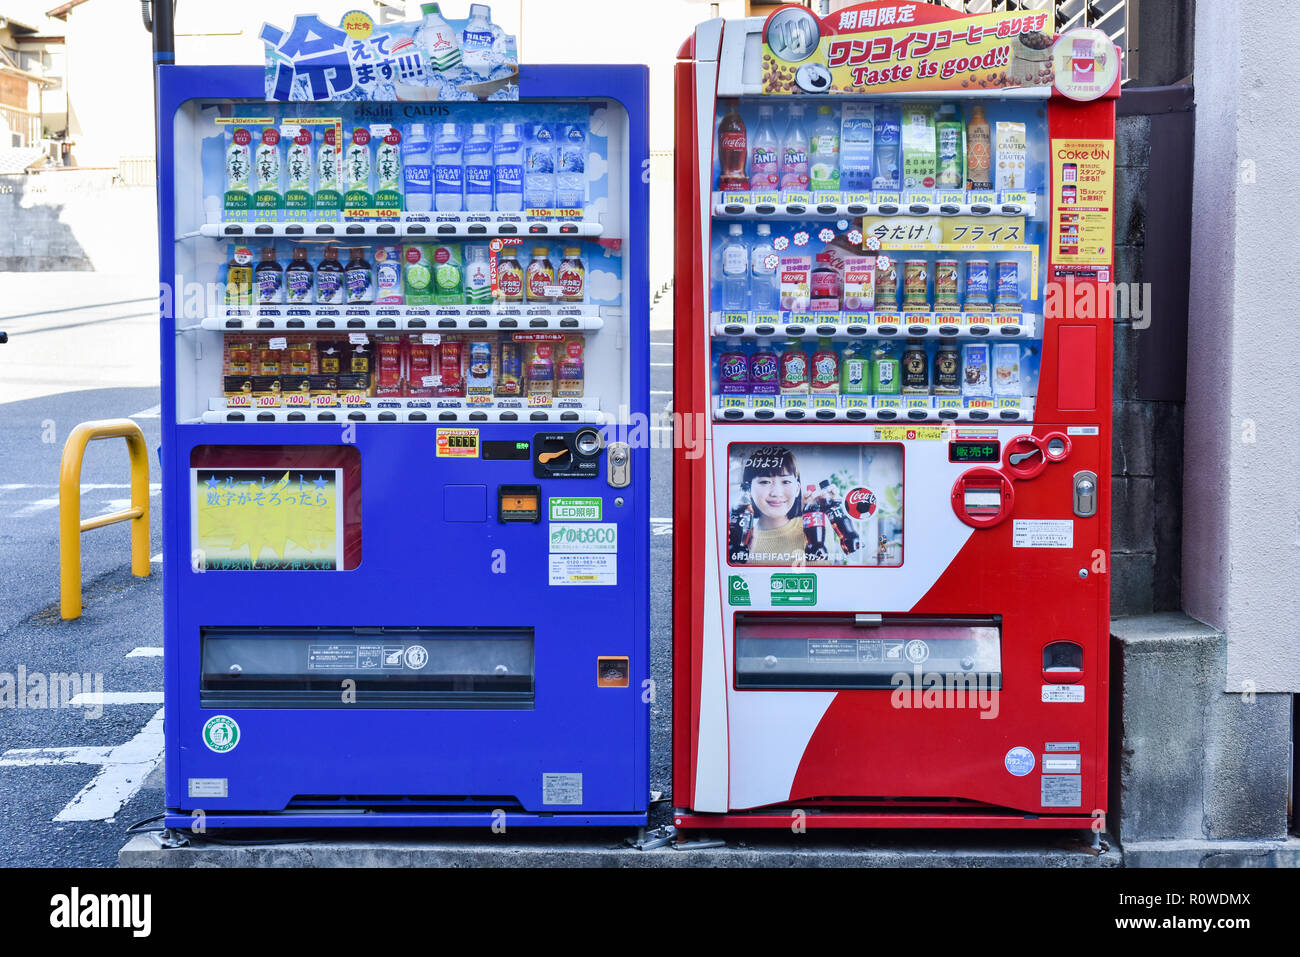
[768, 528]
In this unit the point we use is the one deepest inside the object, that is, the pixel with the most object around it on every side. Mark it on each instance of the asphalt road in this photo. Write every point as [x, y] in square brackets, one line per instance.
[89, 351]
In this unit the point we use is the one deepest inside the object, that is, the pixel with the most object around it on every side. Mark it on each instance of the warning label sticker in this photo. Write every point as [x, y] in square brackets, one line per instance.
[1042, 533]
[562, 788]
[1057, 694]
[1062, 790]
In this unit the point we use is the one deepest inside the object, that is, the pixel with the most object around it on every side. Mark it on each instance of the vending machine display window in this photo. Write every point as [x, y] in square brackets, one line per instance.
[817, 504]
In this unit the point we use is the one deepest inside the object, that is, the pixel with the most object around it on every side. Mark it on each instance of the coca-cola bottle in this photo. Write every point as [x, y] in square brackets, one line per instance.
[732, 150]
[814, 530]
[740, 534]
[850, 540]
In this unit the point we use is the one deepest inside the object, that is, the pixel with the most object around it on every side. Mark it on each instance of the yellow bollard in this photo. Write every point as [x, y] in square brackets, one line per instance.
[70, 524]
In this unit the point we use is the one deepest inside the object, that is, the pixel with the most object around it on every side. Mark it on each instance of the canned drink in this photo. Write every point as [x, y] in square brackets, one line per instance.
[916, 369]
[1008, 299]
[945, 285]
[977, 285]
[887, 285]
[916, 282]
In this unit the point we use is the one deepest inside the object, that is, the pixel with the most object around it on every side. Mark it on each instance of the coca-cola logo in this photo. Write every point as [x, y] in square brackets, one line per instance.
[860, 503]
[732, 141]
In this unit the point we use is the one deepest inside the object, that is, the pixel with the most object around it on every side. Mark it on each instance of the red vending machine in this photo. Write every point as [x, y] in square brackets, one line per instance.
[891, 590]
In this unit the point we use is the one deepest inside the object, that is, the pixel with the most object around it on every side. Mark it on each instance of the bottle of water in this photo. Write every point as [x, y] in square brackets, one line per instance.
[478, 169]
[762, 277]
[735, 271]
[438, 39]
[508, 165]
[539, 167]
[476, 40]
[571, 167]
[417, 169]
[448, 174]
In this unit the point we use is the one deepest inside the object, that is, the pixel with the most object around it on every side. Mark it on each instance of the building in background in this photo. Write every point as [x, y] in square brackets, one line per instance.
[33, 103]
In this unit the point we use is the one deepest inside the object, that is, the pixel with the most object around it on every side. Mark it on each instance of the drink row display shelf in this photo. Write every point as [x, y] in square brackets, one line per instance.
[727, 208]
[849, 326]
[459, 229]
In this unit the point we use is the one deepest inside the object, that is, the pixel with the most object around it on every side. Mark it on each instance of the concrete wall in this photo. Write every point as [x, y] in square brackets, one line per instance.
[1147, 446]
[1241, 532]
[76, 220]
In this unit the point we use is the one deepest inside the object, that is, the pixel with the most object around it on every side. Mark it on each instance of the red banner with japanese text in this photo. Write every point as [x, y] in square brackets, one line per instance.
[899, 46]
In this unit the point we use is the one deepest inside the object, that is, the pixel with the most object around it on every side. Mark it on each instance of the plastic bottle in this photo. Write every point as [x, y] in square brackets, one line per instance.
[764, 150]
[886, 376]
[298, 276]
[733, 369]
[571, 167]
[825, 375]
[824, 152]
[794, 153]
[268, 279]
[539, 167]
[478, 279]
[732, 150]
[476, 40]
[448, 174]
[855, 370]
[441, 49]
[762, 277]
[764, 369]
[735, 271]
[794, 369]
[417, 169]
[478, 169]
[329, 279]
[508, 168]
[359, 278]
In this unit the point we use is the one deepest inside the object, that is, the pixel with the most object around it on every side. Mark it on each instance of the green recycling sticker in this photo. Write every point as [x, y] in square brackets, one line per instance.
[221, 734]
[737, 590]
[575, 509]
[794, 589]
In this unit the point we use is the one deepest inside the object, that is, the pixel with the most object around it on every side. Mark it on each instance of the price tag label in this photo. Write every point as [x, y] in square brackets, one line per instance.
[358, 338]
[791, 196]
[430, 381]
[887, 196]
[863, 198]
[954, 198]
[1014, 196]
[762, 401]
[430, 338]
[278, 342]
[770, 199]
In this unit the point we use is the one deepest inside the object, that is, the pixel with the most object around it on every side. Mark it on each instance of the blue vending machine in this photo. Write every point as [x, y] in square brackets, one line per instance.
[404, 304]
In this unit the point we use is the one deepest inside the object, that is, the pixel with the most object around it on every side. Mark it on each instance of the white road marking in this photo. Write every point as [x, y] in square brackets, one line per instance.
[153, 412]
[661, 391]
[661, 365]
[36, 507]
[91, 698]
[155, 559]
[145, 653]
[122, 770]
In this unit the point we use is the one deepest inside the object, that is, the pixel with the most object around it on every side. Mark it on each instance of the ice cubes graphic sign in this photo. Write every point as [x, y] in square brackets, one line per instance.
[433, 59]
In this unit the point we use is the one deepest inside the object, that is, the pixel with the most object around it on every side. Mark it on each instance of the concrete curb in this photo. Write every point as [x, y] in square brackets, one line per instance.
[1020, 850]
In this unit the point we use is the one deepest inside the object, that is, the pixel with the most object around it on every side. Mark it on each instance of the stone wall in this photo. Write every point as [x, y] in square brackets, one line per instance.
[75, 219]
[1147, 448]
